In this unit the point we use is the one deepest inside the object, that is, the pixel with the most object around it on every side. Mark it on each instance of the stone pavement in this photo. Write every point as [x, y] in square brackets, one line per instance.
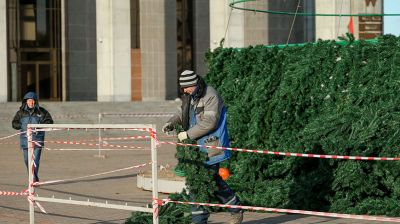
[117, 188]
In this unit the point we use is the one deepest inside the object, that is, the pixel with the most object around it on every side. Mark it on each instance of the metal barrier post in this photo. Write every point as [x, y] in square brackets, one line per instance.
[99, 146]
[154, 170]
[30, 176]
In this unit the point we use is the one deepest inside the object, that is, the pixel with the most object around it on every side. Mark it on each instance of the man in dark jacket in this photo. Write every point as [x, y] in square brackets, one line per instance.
[31, 113]
[203, 117]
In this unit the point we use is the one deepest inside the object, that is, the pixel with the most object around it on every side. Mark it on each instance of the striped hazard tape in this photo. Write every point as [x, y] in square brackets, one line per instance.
[291, 153]
[11, 193]
[94, 144]
[279, 210]
[24, 193]
[9, 143]
[92, 175]
[155, 114]
[10, 136]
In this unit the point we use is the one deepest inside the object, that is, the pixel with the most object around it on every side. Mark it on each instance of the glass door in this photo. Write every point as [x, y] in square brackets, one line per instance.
[35, 48]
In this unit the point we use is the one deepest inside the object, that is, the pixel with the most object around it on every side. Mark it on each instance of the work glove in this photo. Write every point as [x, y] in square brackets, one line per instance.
[167, 127]
[182, 136]
[211, 139]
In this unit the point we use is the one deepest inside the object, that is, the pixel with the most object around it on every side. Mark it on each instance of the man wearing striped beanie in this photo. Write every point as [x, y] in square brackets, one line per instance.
[188, 79]
[203, 118]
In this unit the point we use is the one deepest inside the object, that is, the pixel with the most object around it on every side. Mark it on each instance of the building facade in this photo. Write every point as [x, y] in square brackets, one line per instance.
[133, 50]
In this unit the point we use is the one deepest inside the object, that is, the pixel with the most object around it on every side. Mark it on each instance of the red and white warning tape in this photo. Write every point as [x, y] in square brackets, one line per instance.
[8, 143]
[87, 176]
[59, 116]
[164, 114]
[69, 116]
[121, 138]
[91, 144]
[153, 135]
[31, 190]
[10, 136]
[87, 129]
[290, 153]
[46, 129]
[94, 149]
[30, 195]
[32, 201]
[24, 132]
[295, 211]
[11, 193]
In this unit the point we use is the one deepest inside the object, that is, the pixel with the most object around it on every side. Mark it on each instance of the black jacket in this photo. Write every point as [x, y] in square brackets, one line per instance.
[35, 115]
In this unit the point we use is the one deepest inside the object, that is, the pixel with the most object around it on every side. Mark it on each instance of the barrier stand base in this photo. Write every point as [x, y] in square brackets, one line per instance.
[100, 156]
[168, 181]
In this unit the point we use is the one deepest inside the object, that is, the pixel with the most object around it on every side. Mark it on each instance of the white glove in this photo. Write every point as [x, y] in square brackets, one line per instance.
[182, 136]
[167, 127]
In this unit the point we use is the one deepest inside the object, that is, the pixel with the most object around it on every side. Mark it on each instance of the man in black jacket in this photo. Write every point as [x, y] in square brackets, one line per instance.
[31, 113]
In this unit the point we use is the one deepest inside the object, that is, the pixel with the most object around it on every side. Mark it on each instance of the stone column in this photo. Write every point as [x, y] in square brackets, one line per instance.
[113, 50]
[3, 52]
[221, 15]
[242, 29]
[158, 48]
[331, 27]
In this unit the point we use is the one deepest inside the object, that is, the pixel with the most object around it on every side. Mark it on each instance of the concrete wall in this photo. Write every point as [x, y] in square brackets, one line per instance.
[235, 34]
[3, 53]
[158, 48]
[81, 50]
[239, 28]
[219, 15]
[113, 50]
[330, 27]
[221, 18]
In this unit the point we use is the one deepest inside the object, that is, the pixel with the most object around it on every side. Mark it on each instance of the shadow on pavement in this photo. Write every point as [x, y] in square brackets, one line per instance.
[287, 218]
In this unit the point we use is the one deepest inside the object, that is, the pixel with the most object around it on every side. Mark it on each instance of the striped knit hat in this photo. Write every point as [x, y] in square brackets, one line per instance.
[188, 78]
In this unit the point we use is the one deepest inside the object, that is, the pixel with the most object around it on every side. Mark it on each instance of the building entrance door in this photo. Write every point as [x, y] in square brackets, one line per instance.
[34, 31]
[40, 77]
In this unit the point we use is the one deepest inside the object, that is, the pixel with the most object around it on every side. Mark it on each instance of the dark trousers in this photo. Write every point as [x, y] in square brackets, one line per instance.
[224, 194]
[37, 152]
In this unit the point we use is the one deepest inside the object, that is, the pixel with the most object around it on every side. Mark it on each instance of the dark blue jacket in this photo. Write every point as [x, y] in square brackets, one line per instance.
[35, 115]
[221, 133]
